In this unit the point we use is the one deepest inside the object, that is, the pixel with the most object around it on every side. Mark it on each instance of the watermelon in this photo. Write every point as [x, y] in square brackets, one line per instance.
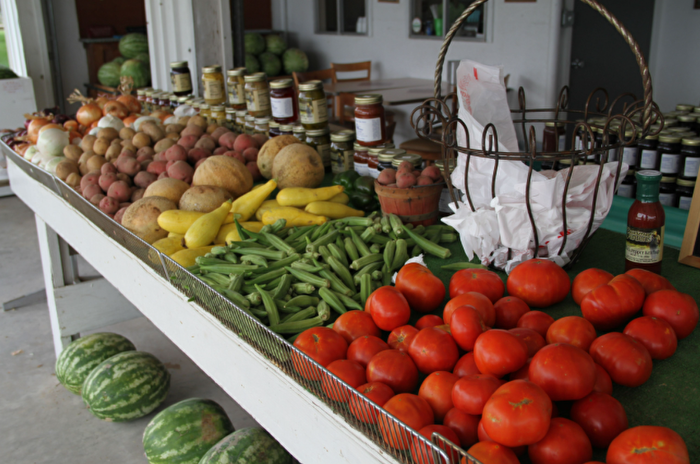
[275, 44]
[252, 65]
[249, 445]
[271, 64]
[126, 386]
[295, 60]
[119, 60]
[143, 57]
[254, 43]
[185, 431]
[79, 358]
[138, 71]
[132, 44]
[108, 74]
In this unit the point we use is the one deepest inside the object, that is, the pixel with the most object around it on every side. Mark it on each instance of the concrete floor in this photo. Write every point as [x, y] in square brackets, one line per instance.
[42, 421]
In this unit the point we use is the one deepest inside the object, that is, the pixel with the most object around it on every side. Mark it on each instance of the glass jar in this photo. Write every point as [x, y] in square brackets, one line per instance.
[174, 102]
[180, 78]
[249, 125]
[230, 119]
[262, 126]
[257, 95]
[554, 137]
[628, 186]
[690, 149]
[299, 132]
[414, 159]
[373, 161]
[385, 159]
[205, 112]
[287, 129]
[670, 122]
[218, 115]
[320, 140]
[687, 121]
[370, 123]
[141, 98]
[670, 154]
[649, 152]
[342, 151]
[240, 120]
[313, 105]
[155, 101]
[195, 106]
[667, 191]
[213, 83]
[359, 159]
[685, 107]
[164, 101]
[630, 153]
[274, 129]
[236, 88]
[148, 103]
[282, 101]
[685, 190]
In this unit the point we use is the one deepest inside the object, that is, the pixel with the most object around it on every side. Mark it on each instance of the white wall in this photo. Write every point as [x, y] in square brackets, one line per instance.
[71, 53]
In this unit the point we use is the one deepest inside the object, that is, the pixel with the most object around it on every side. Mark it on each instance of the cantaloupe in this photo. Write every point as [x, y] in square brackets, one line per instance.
[298, 165]
[141, 217]
[269, 151]
[225, 172]
[169, 188]
[203, 198]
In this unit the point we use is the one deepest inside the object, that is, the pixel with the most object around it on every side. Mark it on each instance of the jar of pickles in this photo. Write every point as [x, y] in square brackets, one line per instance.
[274, 128]
[288, 129]
[690, 149]
[205, 112]
[257, 95]
[370, 123]
[687, 121]
[685, 107]
[217, 115]
[240, 120]
[249, 125]
[235, 84]
[230, 119]
[313, 106]
[180, 78]
[320, 140]
[262, 126]
[299, 132]
[213, 83]
[283, 102]
[342, 151]
[174, 103]
[360, 159]
[153, 100]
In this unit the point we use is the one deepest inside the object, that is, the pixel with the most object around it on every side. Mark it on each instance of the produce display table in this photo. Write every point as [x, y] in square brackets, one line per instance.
[311, 429]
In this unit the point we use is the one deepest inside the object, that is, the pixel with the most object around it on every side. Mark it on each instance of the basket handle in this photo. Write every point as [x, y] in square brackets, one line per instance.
[641, 62]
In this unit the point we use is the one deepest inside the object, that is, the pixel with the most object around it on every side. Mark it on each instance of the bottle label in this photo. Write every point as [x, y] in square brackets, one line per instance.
[362, 169]
[692, 166]
[649, 159]
[213, 90]
[644, 246]
[236, 94]
[667, 199]
[630, 156]
[342, 161]
[626, 190]
[313, 111]
[670, 163]
[368, 130]
[562, 142]
[684, 203]
[282, 107]
[181, 82]
[324, 151]
[258, 100]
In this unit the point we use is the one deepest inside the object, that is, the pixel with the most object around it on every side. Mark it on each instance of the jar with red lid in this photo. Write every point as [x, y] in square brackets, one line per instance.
[370, 124]
[283, 101]
[360, 158]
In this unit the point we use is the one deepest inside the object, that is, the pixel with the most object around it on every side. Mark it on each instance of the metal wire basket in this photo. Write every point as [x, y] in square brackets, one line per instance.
[620, 123]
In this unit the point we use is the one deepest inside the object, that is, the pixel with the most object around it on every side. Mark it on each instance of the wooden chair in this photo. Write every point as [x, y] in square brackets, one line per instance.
[321, 75]
[351, 67]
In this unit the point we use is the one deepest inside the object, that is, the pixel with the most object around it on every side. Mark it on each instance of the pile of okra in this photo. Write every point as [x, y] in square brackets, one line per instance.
[292, 279]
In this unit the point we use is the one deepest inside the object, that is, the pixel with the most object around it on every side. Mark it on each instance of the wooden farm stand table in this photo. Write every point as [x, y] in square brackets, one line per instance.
[310, 427]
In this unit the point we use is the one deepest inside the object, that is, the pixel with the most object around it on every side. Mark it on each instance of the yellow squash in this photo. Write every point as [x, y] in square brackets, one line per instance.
[303, 196]
[247, 204]
[169, 245]
[205, 229]
[178, 221]
[267, 205]
[341, 198]
[186, 258]
[294, 217]
[228, 229]
[176, 235]
[332, 210]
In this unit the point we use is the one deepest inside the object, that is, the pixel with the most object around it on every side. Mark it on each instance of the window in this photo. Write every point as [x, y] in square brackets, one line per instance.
[342, 17]
[432, 19]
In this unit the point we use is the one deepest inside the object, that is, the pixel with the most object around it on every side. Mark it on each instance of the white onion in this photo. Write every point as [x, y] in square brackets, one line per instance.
[52, 163]
[94, 131]
[138, 122]
[171, 120]
[30, 152]
[52, 142]
[111, 121]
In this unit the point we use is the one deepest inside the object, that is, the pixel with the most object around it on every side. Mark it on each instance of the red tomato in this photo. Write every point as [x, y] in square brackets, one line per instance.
[394, 368]
[603, 382]
[471, 393]
[354, 324]
[378, 392]
[388, 308]
[410, 409]
[651, 281]
[349, 372]
[321, 344]
[623, 357]
[601, 416]
[429, 320]
[481, 433]
[477, 300]
[613, 304]
[401, 337]
[533, 341]
[522, 373]
[509, 310]
[499, 352]
[436, 389]
[482, 281]
[565, 443]
[573, 330]
[363, 349]
[434, 350]
[537, 321]
[588, 280]
[655, 334]
[423, 291]
[490, 452]
[563, 371]
[466, 366]
[678, 309]
[464, 425]
[646, 445]
[539, 283]
[423, 453]
[517, 414]
[466, 325]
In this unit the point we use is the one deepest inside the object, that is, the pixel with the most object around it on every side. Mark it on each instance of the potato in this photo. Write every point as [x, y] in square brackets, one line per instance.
[251, 154]
[128, 145]
[269, 151]
[82, 162]
[260, 139]
[109, 133]
[109, 205]
[73, 180]
[100, 146]
[188, 141]
[220, 150]
[152, 130]
[163, 145]
[172, 136]
[117, 142]
[205, 142]
[225, 172]
[141, 139]
[174, 128]
[87, 142]
[141, 217]
[72, 152]
[137, 194]
[129, 166]
[124, 177]
[297, 165]
[406, 166]
[180, 170]
[157, 167]
[145, 151]
[424, 180]
[108, 167]
[405, 180]
[96, 199]
[196, 154]
[216, 135]
[228, 140]
[106, 180]
[183, 121]
[243, 142]
[113, 152]
[212, 127]
[95, 163]
[203, 198]
[254, 171]
[163, 175]
[387, 176]
[91, 190]
[127, 133]
[192, 130]
[433, 172]
[172, 189]
[120, 191]
[175, 153]
[89, 178]
[198, 121]
[119, 215]
[66, 168]
[143, 179]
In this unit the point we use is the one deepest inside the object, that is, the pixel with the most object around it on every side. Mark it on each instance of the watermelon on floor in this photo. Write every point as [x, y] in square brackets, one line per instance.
[185, 431]
[126, 386]
[83, 355]
[247, 446]
[138, 71]
[109, 73]
[132, 44]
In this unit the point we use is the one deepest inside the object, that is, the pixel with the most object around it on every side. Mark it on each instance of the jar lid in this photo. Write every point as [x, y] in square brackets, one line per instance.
[281, 84]
[257, 77]
[691, 141]
[274, 124]
[298, 129]
[386, 145]
[670, 122]
[317, 132]
[149, 92]
[310, 85]
[264, 120]
[652, 137]
[685, 183]
[183, 99]
[230, 110]
[668, 180]
[140, 92]
[376, 151]
[368, 99]
[359, 147]
[241, 113]
[440, 164]
[648, 175]
[696, 109]
[218, 108]
[676, 129]
[553, 123]
[411, 158]
[395, 152]
[685, 107]
[203, 106]
[669, 138]
[178, 64]
[236, 72]
[343, 136]
[249, 118]
[286, 127]
[685, 134]
[566, 161]
[215, 68]
[687, 117]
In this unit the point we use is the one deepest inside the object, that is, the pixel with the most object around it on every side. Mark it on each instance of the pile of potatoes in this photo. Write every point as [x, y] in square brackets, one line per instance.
[113, 169]
[406, 176]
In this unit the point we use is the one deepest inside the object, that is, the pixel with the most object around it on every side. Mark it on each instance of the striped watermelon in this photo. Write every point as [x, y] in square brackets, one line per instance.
[132, 44]
[79, 358]
[126, 386]
[252, 445]
[185, 431]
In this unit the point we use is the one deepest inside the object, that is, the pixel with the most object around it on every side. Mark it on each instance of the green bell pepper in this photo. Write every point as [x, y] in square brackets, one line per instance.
[364, 184]
[363, 201]
[347, 180]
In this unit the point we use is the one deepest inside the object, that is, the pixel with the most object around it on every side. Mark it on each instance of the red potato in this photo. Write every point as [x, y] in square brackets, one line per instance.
[109, 205]
[128, 166]
[125, 177]
[90, 190]
[143, 158]
[218, 132]
[170, 163]
[120, 191]
[145, 164]
[137, 194]
[191, 131]
[90, 178]
[254, 170]
[197, 154]
[260, 139]
[107, 168]
[163, 175]
[182, 171]
[176, 153]
[424, 180]
[159, 156]
[406, 166]
[157, 167]
[96, 199]
[405, 180]
[387, 176]
[145, 151]
[433, 172]
[228, 140]
[143, 179]
[119, 215]
[124, 204]
[244, 141]
[251, 154]
[106, 180]
[188, 142]
[206, 143]
[416, 172]
[220, 150]
[237, 155]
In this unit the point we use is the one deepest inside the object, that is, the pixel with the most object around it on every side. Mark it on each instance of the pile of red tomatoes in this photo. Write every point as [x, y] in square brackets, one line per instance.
[489, 374]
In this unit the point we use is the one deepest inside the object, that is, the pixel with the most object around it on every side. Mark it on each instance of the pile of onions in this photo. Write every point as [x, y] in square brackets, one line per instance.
[101, 101]
[34, 126]
[89, 113]
[130, 102]
[115, 108]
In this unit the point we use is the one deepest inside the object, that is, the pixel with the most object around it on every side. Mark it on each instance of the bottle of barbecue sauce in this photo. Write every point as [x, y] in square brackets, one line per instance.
[645, 225]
